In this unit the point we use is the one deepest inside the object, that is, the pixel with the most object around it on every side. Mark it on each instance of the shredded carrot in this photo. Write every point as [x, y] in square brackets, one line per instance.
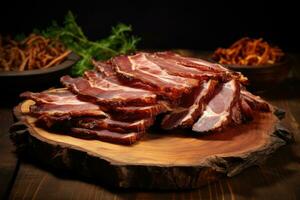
[247, 51]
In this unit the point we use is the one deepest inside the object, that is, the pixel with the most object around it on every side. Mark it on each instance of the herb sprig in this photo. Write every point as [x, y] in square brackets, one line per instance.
[71, 35]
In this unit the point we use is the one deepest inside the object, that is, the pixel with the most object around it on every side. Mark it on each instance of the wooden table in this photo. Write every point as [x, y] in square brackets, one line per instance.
[277, 178]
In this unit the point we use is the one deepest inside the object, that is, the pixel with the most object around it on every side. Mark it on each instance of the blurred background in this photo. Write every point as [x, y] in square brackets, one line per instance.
[204, 25]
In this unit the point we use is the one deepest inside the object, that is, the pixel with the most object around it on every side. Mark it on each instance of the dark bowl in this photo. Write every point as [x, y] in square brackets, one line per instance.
[14, 82]
[264, 77]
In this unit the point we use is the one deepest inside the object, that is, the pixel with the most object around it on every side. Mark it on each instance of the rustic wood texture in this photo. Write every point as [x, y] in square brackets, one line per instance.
[277, 178]
[161, 160]
[8, 162]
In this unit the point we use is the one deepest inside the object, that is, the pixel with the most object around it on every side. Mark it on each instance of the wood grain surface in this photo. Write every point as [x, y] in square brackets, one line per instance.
[277, 178]
[8, 162]
[161, 160]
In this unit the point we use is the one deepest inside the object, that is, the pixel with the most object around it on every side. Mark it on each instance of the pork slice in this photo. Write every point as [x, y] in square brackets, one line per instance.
[186, 116]
[64, 122]
[112, 125]
[107, 93]
[202, 65]
[197, 63]
[107, 136]
[217, 113]
[130, 113]
[246, 110]
[107, 70]
[61, 102]
[242, 111]
[138, 69]
[236, 113]
[255, 102]
[175, 68]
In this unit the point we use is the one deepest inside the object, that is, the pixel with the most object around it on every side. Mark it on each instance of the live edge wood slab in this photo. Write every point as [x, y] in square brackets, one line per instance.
[161, 160]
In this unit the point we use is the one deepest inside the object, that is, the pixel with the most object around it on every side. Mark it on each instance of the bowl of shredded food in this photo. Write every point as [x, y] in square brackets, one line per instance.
[39, 60]
[265, 65]
[33, 61]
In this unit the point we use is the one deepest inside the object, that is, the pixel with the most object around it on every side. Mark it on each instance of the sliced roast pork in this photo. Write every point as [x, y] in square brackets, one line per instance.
[121, 99]
[130, 113]
[107, 136]
[255, 102]
[113, 125]
[51, 121]
[175, 68]
[217, 113]
[61, 102]
[236, 113]
[138, 68]
[186, 116]
[125, 112]
[107, 93]
[191, 62]
[246, 110]
[203, 65]
[107, 70]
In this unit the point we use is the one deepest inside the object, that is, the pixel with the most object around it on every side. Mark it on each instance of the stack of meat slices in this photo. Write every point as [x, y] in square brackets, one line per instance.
[119, 100]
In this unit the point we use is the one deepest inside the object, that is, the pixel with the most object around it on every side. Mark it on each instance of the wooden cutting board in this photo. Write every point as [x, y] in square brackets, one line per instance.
[163, 160]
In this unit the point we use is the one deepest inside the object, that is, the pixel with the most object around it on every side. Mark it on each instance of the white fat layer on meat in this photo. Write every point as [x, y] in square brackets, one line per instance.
[142, 122]
[223, 117]
[205, 63]
[64, 100]
[140, 60]
[117, 96]
[109, 86]
[57, 99]
[177, 64]
[119, 71]
[97, 113]
[142, 108]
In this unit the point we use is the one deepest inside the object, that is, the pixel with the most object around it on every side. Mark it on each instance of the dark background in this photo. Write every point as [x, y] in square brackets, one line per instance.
[204, 25]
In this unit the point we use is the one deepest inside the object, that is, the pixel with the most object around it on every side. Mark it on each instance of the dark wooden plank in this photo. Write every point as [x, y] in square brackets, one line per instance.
[8, 160]
[278, 178]
[257, 141]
